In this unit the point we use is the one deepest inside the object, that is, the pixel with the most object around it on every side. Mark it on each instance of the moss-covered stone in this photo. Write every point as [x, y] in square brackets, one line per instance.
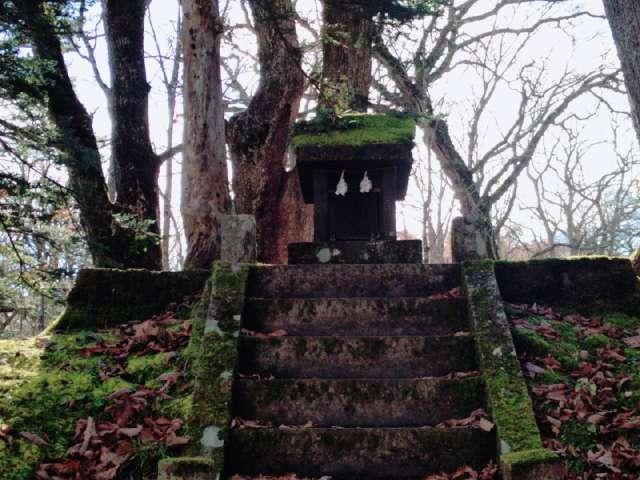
[186, 468]
[585, 284]
[535, 464]
[508, 398]
[213, 352]
[358, 129]
[102, 298]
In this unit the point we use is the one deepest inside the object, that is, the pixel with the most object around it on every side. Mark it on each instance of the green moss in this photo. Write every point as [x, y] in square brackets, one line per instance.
[579, 435]
[109, 386]
[147, 368]
[550, 377]
[179, 407]
[362, 130]
[531, 342]
[623, 321]
[17, 461]
[512, 411]
[19, 361]
[595, 341]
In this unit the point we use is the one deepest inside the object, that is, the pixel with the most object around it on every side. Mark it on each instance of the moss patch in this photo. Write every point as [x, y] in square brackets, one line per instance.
[146, 369]
[359, 130]
[49, 389]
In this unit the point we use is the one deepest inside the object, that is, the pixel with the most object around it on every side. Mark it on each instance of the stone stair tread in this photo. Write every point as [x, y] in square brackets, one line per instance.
[348, 453]
[343, 281]
[357, 316]
[357, 402]
[356, 357]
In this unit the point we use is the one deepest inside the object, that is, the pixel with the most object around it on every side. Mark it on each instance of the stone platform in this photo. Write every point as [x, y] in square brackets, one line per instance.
[356, 252]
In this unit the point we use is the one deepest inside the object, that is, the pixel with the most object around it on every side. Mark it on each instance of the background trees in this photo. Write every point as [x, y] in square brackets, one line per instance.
[499, 110]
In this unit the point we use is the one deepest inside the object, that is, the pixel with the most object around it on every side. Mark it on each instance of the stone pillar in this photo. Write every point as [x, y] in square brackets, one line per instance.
[468, 242]
[238, 239]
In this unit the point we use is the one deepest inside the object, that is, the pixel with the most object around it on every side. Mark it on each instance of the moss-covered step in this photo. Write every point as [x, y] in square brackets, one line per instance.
[350, 453]
[343, 281]
[357, 316]
[356, 357]
[103, 298]
[357, 402]
[583, 284]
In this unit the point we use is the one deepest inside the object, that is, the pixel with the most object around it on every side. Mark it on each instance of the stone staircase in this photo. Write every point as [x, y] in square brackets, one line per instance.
[367, 369]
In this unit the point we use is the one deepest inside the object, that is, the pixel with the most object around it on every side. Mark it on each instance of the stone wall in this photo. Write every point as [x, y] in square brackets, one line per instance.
[104, 298]
[588, 283]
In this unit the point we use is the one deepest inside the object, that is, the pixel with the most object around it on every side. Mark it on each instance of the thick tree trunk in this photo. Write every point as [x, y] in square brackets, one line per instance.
[259, 136]
[624, 18]
[205, 184]
[347, 53]
[136, 165]
[110, 244]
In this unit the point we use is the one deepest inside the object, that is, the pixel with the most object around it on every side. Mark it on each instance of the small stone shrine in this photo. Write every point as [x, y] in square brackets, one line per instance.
[353, 177]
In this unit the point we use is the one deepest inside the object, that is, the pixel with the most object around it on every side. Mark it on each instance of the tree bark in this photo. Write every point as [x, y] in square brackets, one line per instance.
[624, 18]
[136, 166]
[110, 244]
[347, 39]
[259, 136]
[205, 185]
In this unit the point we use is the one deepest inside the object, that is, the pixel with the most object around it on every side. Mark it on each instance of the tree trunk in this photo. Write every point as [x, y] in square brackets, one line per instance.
[258, 137]
[347, 53]
[110, 244]
[475, 235]
[135, 164]
[205, 184]
[624, 18]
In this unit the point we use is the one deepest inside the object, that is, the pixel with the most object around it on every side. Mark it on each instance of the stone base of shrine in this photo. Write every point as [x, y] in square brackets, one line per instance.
[356, 252]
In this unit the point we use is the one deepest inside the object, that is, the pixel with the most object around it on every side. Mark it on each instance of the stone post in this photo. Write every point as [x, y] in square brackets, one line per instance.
[238, 239]
[468, 242]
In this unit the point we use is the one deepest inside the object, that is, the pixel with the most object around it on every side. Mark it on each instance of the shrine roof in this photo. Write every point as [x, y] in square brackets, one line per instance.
[357, 130]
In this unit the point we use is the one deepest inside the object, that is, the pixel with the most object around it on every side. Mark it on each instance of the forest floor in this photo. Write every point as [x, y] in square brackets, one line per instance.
[111, 403]
[584, 376]
[101, 405]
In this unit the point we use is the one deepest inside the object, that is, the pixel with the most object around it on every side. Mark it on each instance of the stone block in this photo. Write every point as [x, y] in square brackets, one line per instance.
[186, 468]
[356, 252]
[238, 239]
[586, 283]
[538, 464]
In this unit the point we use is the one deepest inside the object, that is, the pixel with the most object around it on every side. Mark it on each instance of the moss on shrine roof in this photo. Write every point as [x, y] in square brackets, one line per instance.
[357, 130]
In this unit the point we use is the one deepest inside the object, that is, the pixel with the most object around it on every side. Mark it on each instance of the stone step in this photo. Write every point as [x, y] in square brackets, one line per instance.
[357, 403]
[321, 281]
[357, 453]
[357, 316]
[356, 357]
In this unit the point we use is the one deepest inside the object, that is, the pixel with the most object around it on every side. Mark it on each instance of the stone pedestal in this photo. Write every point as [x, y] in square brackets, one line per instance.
[356, 252]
